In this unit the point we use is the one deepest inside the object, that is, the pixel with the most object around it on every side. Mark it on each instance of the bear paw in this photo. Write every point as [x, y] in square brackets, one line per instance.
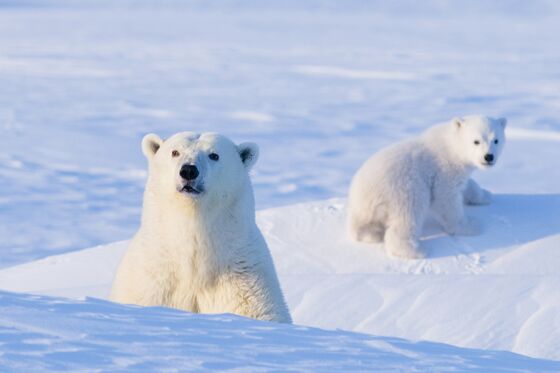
[407, 254]
[468, 227]
[477, 196]
[403, 249]
[484, 198]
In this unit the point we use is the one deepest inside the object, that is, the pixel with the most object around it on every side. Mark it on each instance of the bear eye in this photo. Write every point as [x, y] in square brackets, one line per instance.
[174, 153]
[213, 156]
[476, 142]
[496, 141]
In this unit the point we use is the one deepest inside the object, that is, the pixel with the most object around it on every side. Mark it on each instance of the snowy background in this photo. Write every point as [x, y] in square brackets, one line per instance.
[319, 85]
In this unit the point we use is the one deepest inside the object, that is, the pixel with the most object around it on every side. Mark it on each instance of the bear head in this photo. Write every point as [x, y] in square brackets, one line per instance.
[196, 166]
[481, 139]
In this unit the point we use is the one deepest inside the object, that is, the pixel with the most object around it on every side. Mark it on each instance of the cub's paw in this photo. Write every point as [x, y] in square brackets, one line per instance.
[405, 251]
[485, 198]
[469, 227]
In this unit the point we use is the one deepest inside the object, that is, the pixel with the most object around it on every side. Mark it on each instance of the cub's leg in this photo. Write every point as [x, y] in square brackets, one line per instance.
[366, 231]
[449, 211]
[475, 195]
[405, 226]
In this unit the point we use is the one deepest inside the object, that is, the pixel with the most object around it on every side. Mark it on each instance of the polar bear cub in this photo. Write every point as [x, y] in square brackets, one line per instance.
[198, 247]
[392, 193]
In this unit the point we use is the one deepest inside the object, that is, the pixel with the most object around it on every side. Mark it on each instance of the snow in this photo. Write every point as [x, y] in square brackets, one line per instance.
[326, 83]
[320, 86]
[93, 335]
[495, 291]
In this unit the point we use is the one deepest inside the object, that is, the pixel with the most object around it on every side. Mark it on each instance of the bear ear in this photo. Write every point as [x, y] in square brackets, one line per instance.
[151, 144]
[503, 122]
[249, 153]
[457, 122]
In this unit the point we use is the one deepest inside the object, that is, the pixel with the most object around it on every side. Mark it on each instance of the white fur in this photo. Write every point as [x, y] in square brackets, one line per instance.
[200, 253]
[392, 193]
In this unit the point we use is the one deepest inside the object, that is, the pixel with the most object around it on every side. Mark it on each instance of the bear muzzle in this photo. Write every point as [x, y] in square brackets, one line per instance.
[190, 188]
[189, 174]
[489, 160]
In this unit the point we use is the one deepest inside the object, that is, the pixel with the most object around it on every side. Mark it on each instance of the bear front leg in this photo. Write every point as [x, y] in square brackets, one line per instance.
[405, 221]
[405, 225]
[259, 296]
[449, 211]
[247, 292]
[402, 243]
[475, 195]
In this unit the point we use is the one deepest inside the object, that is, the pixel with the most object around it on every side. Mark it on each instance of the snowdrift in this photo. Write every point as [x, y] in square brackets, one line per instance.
[494, 291]
[43, 333]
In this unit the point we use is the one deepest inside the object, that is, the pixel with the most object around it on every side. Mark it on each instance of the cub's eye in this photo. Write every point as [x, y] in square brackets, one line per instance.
[174, 153]
[496, 141]
[476, 142]
[213, 156]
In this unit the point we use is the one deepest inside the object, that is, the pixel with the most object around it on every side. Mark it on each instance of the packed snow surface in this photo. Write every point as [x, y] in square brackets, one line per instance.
[320, 86]
[495, 291]
[41, 333]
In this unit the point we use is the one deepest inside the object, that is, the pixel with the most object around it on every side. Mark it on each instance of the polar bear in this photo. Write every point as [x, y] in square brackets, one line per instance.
[392, 193]
[198, 247]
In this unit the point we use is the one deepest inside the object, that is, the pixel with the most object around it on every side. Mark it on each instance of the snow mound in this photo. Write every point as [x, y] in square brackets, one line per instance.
[44, 333]
[494, 291]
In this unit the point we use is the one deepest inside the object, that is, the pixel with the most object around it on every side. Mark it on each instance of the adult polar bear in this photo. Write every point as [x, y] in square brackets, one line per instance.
[198, 247]
[393, 191]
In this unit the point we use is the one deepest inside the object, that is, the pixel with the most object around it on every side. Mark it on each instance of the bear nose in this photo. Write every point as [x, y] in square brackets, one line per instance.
[489, 157]
[188, 172]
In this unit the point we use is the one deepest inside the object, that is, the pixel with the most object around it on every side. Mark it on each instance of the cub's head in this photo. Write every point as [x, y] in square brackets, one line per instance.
[482, 139]
[198, 165]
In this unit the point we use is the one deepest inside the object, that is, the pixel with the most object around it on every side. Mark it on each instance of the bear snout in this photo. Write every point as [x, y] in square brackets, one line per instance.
[489, 158]
[189, 172]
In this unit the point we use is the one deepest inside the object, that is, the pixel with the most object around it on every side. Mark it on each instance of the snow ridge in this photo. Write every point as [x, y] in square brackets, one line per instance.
[47, 333]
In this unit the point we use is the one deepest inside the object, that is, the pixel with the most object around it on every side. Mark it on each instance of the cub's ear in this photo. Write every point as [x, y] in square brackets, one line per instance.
[151, 144]
[249, 153]
[503, 122]
[457, 122]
